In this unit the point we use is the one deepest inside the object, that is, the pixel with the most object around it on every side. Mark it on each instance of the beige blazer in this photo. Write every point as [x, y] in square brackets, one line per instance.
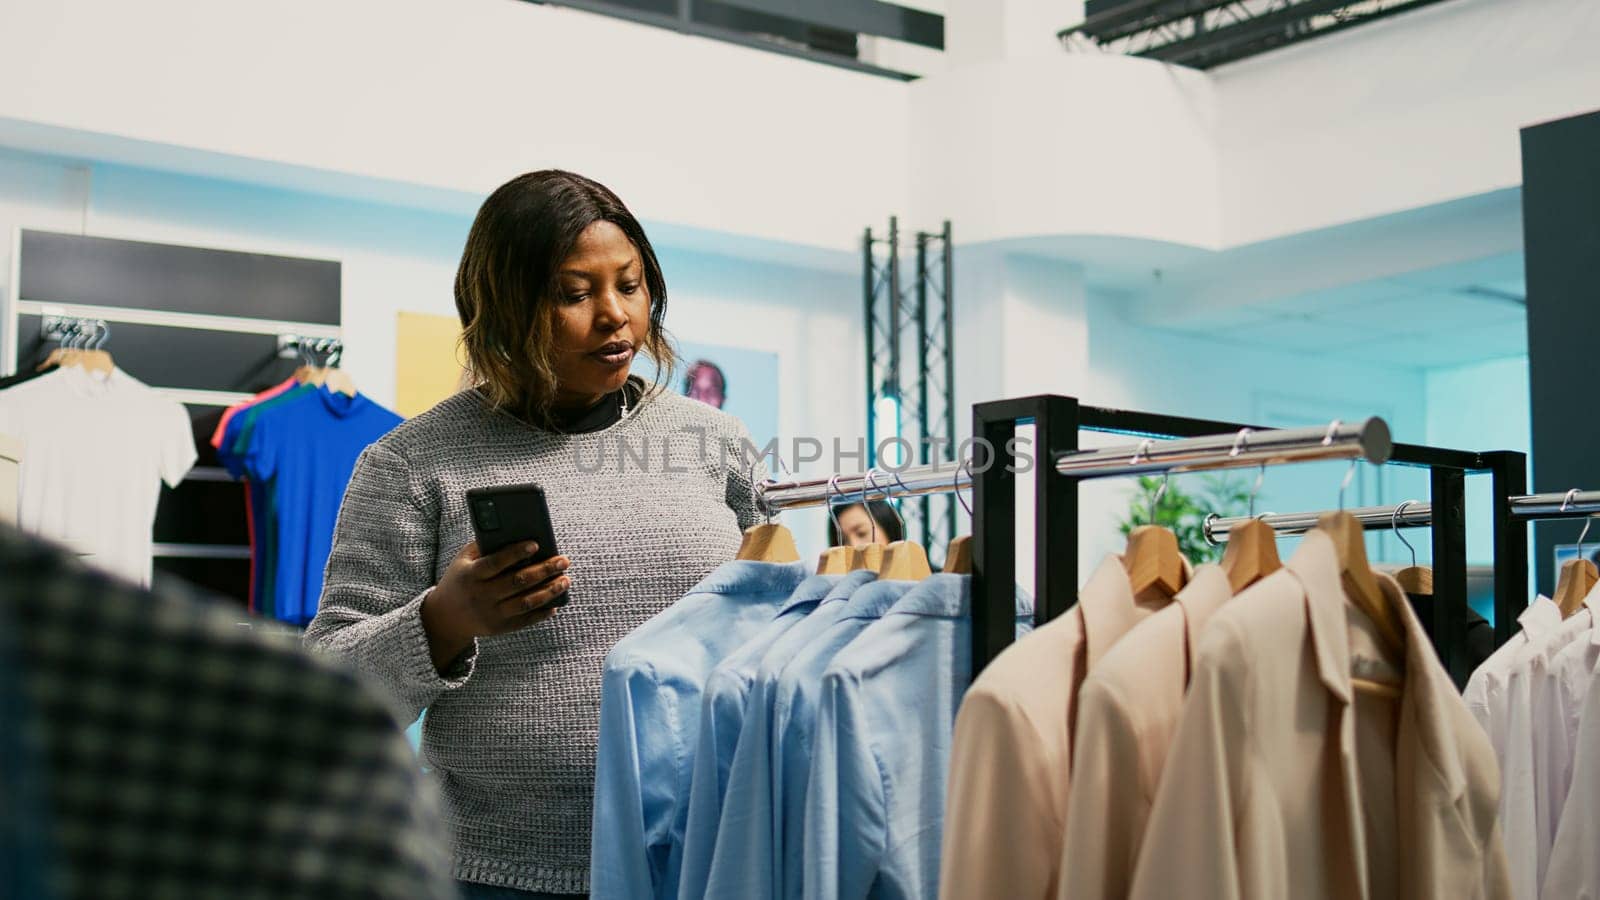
[1128, 709]
[1282, 782]
[1011, 758]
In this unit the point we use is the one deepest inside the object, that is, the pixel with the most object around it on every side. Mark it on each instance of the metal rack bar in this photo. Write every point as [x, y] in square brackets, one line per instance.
[1555, 506]
[196, 321]
[878, 484]
[1416, 514]
[1368, 439]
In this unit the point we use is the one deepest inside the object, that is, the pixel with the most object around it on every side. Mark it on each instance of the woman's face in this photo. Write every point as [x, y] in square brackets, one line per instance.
[602, 315]
[857, 529]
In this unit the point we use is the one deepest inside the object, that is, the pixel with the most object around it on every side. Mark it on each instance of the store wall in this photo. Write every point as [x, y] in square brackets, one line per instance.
[396, 259]
[1480, 407]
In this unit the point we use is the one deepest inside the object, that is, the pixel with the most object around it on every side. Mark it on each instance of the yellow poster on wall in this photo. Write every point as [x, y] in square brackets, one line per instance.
[428, 362]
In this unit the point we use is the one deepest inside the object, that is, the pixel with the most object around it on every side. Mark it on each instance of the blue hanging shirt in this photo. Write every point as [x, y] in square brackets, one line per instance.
[722, 713]
[743, 863]
[305, 449]
[235, 442]
[874, 806]
[649, 718]
[771, 866]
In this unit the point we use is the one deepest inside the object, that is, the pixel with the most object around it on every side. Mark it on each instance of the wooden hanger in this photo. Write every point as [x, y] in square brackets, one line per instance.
[1360, 585]
[1578, 576]
[1154, 563]
[902, 560]
[905, 561]
[1252, 554]
[1415, 580]
[768, 542]
[958, 556]
[869, 556]
[834, 561]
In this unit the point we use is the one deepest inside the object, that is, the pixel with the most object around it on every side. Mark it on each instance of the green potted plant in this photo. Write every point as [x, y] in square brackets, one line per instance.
[1185, 513]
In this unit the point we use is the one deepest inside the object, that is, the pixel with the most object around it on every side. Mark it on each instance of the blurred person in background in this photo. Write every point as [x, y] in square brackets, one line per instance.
[706, 383]
[858, 525]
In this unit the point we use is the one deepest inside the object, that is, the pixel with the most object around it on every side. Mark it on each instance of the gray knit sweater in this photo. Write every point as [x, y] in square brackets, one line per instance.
[643, 508]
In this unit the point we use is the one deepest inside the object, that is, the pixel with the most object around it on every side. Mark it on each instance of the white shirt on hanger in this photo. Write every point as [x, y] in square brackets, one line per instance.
[1488, 697]
[1526, 799]
[1550, 736]
[98, 447]
[1574, 869]
[1571, 676]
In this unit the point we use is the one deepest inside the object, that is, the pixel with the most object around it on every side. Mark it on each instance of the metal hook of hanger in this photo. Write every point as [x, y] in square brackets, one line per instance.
[105, 334]
[1161, 491]
[1344, 485]
[889, 502]
[833, 508]
[967, 465]
[1587, 520]
[1394, 524]
[1240, 444]
[759, 491]
[866, 504]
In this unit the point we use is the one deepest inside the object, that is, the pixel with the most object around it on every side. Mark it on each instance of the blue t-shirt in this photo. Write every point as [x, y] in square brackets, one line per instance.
[235, 441]
[306, 448]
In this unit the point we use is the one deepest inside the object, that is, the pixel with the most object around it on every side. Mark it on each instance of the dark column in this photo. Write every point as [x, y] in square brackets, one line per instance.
[1561, 237]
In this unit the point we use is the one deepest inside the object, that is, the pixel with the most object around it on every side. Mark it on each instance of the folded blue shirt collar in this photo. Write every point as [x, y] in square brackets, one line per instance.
[810, 591]
[848, 583]
[871, 601]
[743, 576]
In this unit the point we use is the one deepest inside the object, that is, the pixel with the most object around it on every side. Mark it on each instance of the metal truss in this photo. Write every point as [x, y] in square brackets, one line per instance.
[910, 370]
[1203, 34]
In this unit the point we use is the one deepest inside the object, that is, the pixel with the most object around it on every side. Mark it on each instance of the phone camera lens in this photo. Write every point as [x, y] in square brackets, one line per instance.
[488, 518]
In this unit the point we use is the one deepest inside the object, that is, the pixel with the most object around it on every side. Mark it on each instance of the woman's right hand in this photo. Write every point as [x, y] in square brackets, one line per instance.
[480, 596]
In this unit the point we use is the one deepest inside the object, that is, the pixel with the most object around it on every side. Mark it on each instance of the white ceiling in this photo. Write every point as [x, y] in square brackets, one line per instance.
[1433, 319]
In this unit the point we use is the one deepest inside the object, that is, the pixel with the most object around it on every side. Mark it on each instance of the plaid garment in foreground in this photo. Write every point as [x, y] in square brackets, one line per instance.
[187, 756]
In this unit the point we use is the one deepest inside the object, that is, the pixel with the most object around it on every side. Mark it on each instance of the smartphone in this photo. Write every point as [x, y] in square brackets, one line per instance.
[513, 514]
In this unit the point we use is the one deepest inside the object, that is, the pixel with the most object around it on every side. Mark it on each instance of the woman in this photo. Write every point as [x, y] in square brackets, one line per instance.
[558, 288]
[858, 528]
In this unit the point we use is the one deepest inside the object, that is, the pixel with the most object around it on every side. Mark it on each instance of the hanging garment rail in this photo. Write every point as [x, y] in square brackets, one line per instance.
[1368, 439]
[1570, 505]
[1057, 421]
[1412, 514]
[878, 484]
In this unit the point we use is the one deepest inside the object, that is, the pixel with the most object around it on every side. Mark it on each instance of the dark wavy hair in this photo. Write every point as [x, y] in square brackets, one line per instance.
[506, 286]
[880, 511]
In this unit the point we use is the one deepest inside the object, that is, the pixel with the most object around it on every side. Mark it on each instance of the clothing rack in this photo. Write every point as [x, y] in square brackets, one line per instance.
[201, 325]
[1057, 421]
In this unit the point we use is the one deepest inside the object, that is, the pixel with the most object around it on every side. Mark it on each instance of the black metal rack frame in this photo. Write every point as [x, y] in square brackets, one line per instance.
[1057, 421]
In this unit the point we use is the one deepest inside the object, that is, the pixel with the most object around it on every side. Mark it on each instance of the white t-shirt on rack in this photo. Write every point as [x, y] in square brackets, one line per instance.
[97, 448]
